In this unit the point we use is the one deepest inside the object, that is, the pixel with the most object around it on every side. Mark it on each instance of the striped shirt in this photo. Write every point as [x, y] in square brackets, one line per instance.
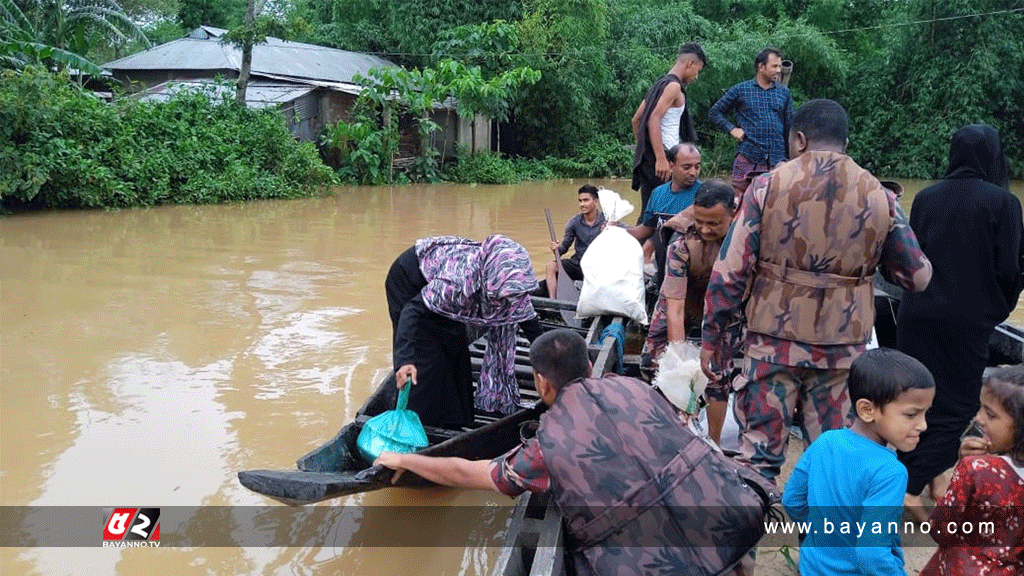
[764, 115]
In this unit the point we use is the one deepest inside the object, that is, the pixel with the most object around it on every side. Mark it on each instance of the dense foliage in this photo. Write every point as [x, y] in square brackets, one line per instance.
[939, 76]
[64, 34]
[364, 148]
[402, 31]
[561, 78]
[603, 157]
[61, 147]
[908, 71]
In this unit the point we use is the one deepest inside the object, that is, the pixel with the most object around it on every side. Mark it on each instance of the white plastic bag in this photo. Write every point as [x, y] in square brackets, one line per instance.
[615, 207]
[679, 376]
[613, 280]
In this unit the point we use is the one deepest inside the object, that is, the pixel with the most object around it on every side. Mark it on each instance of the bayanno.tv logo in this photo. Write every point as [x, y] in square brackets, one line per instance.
[132, 528]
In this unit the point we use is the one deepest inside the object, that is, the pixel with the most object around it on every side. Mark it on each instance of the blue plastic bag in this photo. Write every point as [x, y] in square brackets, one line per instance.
[398, 430]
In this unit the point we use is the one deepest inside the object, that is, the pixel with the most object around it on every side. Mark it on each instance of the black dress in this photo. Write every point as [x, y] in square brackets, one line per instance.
[971, 230]
[438, 346]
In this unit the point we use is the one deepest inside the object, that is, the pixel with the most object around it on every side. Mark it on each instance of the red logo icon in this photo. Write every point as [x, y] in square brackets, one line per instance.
[133, 524]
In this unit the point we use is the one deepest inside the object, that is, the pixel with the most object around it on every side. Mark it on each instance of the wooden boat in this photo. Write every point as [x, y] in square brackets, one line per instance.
[336, 469]
[534, 540]
[1005, 346]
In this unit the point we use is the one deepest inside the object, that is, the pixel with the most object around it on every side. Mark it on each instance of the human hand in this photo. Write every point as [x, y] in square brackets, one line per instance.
[662, 169]
[554, 246]
[706, 356]
[974, 446]
[738, 133]
[404, 373]
[391, 460]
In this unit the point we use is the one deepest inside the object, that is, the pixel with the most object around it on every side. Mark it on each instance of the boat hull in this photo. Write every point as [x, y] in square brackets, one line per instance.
[337, 469]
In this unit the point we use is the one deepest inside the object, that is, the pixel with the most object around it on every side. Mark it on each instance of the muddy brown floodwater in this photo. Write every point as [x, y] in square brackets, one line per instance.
[148, 355]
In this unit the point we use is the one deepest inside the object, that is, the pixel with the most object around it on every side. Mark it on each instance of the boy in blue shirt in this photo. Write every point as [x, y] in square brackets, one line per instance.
[848, 486]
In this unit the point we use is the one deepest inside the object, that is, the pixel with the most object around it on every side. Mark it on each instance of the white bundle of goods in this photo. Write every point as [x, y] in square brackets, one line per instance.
[615, 207]
[679, 376]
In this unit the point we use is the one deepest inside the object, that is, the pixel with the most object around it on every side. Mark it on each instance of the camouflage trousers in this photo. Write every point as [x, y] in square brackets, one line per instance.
[771, 398]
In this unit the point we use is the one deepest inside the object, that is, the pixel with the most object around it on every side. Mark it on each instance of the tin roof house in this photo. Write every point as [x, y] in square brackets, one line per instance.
[311, 84]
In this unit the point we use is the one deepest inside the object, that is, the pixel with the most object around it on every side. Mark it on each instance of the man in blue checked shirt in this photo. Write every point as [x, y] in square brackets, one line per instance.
[764, 110]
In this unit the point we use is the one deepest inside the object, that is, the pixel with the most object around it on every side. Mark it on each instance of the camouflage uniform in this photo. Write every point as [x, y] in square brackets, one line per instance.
[639, 492]
[803, 247]
[687, 270]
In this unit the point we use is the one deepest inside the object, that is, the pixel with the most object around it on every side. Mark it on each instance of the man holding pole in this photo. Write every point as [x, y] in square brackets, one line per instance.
[581, 229]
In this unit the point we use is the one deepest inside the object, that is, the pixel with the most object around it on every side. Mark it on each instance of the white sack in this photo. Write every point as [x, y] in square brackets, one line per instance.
[613, 280]
[679, 376]
[615, 207]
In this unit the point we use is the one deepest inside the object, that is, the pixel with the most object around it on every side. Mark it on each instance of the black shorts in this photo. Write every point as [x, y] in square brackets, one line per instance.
[572, 268]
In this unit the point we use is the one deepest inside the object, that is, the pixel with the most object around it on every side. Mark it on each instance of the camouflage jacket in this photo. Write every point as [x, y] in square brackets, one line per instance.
[826, 235]
[640, 493]
[805, 237]
[688, 264]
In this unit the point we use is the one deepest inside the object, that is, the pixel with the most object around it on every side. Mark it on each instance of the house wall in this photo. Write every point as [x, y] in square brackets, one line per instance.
[456, 131]
[305, 120]
[476, 133]
[336, 106]
[445, 139]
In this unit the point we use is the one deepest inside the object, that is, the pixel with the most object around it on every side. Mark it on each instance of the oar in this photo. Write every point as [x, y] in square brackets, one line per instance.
[566, 289]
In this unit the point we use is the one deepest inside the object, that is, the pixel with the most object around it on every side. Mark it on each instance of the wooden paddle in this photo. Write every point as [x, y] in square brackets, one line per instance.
[566, 289]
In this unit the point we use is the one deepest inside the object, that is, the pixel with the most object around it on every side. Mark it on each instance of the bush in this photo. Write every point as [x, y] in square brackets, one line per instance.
[601, 157]
[61, 147]
[534, 169]
[361, 150]
[484, 168]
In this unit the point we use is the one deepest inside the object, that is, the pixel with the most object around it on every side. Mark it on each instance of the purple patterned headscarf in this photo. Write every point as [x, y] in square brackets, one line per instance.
[484, 284]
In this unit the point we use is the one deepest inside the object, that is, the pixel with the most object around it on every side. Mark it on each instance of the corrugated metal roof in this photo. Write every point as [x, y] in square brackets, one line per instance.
[202, 50]
[257, 94]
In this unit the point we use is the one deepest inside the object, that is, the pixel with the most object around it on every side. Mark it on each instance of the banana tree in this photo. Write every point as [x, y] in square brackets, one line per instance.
[61, 33]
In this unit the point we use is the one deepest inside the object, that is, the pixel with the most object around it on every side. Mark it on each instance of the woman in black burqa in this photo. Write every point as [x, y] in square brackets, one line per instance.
[436, 289]
[970, 227]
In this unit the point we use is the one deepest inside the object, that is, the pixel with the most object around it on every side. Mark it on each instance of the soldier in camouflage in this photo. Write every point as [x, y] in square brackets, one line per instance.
[638, 491]
[801, 253]
[697, 234]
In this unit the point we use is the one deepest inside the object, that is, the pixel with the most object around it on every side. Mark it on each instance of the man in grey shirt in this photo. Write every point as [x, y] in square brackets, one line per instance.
[581, 228]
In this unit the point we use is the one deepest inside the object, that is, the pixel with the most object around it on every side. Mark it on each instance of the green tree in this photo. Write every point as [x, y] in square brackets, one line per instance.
[163, 31]
[962, 62]
[254, 30]
[405, 30]
[366, 149]
[63, 33]
[565, 41]
[493, 46]
[149, 10]
[643, 39]
[357, 25]
[194, 13]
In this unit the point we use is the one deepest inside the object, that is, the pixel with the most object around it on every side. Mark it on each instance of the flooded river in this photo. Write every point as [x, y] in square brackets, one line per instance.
[148, 355]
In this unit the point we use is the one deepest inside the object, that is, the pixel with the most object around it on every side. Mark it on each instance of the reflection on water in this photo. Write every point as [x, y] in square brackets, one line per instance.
[148, 355]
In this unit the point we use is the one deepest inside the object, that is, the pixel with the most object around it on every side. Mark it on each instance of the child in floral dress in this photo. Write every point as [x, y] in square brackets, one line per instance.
[979, 522]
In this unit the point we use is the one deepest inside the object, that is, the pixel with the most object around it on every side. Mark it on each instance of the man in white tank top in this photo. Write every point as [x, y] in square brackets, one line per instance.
[670, 126]
[661, 122]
